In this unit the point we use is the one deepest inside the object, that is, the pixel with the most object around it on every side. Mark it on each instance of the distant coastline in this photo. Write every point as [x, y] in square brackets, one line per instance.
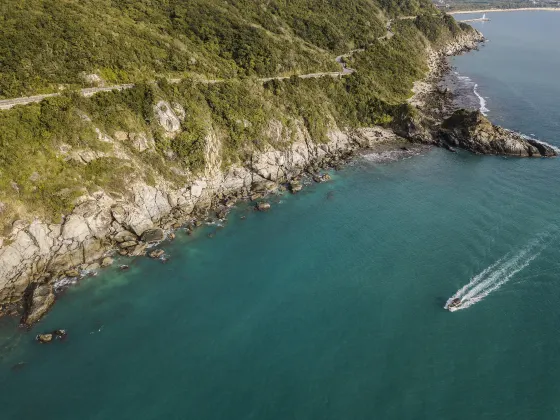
[521, 9]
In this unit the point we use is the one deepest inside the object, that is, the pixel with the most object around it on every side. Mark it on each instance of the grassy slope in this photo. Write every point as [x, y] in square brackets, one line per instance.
[38, 179]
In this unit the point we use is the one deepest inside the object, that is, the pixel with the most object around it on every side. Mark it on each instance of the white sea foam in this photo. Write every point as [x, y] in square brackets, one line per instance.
[483, 108]
[500, 272]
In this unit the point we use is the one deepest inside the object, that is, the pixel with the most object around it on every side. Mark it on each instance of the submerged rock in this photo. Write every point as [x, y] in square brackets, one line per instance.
[263, 206]
[472, 131]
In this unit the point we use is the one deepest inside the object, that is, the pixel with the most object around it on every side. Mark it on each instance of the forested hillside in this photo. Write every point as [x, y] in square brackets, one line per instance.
[53, 152]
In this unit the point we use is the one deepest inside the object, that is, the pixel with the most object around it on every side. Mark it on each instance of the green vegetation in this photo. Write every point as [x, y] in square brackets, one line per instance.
[55, 151]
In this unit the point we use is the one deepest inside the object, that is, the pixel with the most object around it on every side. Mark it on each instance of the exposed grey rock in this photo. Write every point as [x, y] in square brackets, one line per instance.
[472, 131]
[152, 235]
[166, 117]
[157, 253]
[141, 141]
[106, 262]
[263, 206]
[39, 300]
[44, 338]
[128, 244]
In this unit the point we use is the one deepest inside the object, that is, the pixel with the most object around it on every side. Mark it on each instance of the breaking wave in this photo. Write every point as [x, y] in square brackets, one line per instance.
[482, 101]
[499, 273]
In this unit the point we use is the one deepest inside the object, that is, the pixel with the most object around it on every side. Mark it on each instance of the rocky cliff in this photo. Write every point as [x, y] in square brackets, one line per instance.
[37, 257]
[40, 256]
[472, 131]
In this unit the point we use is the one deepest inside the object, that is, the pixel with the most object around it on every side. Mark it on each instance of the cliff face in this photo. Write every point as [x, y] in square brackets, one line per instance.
[47, 254]
[472, 131]
[37, 257]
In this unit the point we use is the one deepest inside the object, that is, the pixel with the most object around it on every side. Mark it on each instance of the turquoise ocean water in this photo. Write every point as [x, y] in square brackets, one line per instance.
[330, 305]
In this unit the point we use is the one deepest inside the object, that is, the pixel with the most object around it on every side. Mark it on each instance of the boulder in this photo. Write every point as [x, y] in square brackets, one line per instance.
[124, 236]
[72, 273]
[142, 142]
[106, 262]
[263, 206]
[124, 267]
[295, 187]
[59, 334]
[138, 250]
[157, 253]
[44, 338]
[38, 300]
[152, 235]
[128, 244]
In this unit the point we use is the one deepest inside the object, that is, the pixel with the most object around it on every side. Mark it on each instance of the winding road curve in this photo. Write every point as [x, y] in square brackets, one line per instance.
[345, 71]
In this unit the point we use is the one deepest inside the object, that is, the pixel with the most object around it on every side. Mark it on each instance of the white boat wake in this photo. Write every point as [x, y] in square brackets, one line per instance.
[498, 274]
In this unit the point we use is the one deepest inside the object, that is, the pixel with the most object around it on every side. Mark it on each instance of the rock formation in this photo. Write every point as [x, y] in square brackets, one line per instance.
[472, 131]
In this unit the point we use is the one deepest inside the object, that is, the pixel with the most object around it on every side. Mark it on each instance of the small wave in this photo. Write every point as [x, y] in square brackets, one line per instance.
[64, 283]
[483, 108]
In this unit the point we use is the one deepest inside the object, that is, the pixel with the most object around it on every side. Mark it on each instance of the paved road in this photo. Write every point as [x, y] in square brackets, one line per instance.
[345, 71]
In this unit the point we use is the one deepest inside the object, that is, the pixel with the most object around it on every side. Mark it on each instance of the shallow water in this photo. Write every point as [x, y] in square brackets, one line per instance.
[330, 305]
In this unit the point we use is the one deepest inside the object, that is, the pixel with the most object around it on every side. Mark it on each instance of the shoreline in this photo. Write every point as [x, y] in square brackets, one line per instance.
[521, 9]
[42, 255]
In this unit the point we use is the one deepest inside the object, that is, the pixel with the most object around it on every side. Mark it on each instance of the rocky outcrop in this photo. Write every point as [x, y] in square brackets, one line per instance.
[472, 131]
[100, 223]
[39, 299]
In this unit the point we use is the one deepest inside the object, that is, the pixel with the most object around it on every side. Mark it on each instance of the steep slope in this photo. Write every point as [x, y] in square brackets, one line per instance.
[80, 174]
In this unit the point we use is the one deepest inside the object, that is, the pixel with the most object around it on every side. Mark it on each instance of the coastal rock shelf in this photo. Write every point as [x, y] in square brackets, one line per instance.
[470, 130]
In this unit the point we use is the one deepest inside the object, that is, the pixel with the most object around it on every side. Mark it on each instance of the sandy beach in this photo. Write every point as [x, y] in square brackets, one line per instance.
[522, 9]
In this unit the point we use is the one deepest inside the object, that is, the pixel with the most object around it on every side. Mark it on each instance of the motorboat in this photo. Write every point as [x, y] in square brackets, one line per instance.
[454, 304]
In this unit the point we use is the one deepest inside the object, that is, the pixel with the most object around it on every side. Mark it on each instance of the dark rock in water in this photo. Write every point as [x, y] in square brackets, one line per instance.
[60, 334]
[157, 253]
[472, 131]
[243, 217]
[222, 213]
[37, 301]
[124, 267]
[48, 337]
[152, 235]
[44, 338]
[263, 206]
[321, 178]
[330, 195]
[211, 234]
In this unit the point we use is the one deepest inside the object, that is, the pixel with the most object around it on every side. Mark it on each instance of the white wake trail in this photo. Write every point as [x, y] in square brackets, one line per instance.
[499, 273]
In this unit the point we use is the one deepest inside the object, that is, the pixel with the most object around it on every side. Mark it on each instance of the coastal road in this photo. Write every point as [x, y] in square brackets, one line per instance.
[345, 71]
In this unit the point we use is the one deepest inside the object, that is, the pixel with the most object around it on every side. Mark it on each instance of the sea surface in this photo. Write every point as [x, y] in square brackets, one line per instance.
[330, 306]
